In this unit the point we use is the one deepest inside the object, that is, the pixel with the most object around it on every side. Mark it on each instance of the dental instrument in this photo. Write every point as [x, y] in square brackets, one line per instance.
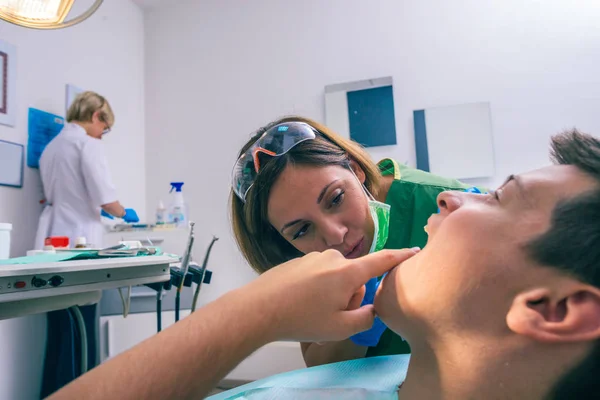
[185, 262]
[201, 273]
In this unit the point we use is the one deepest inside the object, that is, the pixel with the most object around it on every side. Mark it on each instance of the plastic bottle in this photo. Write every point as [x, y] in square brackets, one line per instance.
[161, 213]
[80, 242]
[178, 213]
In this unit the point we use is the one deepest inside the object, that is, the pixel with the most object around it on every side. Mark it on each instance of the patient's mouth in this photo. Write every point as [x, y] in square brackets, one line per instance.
[432, 223]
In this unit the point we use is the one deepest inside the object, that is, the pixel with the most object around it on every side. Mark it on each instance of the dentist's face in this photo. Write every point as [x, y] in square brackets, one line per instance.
[475, 262]
[320, 208]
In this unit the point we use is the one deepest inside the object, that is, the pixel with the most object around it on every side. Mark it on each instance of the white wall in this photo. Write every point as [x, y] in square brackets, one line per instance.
[216, 70]
[105, 54]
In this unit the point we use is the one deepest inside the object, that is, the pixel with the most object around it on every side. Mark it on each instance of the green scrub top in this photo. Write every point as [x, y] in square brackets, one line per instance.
[413, 198]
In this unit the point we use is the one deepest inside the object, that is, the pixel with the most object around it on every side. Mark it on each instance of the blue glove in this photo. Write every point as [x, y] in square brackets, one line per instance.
[473, 190]
[107, 215]
[130, 216]
[370, 337]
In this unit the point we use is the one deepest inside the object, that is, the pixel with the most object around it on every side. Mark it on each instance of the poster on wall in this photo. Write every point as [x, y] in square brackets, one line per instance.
[71, 92]
[42, 128]
[8, 69]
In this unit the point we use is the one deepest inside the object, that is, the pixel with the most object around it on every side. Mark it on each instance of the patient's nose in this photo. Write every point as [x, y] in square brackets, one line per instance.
[449, 201]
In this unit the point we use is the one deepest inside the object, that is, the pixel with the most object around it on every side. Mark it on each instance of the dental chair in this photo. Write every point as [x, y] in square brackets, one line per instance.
[376, 378]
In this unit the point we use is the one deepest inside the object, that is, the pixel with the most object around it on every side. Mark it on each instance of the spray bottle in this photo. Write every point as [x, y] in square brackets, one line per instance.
[178, 213]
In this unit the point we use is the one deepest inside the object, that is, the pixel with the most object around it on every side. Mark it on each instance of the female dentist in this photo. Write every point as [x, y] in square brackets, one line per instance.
[300, 188]
[75, 175]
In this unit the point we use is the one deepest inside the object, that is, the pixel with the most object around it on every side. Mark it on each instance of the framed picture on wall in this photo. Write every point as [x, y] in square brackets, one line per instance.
[12, 157]
[8, 69]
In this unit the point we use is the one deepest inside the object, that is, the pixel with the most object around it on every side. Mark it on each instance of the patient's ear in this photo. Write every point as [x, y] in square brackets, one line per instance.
[569, 312]
[358, 171]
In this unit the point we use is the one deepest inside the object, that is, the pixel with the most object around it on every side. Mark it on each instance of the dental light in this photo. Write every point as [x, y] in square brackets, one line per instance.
[42, 14]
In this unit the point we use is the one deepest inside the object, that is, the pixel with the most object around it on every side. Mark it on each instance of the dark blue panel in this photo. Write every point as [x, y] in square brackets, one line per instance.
[371, 116]
[421, 140]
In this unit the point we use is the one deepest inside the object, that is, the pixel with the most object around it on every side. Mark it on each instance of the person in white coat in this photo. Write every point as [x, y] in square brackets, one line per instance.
[75, 176]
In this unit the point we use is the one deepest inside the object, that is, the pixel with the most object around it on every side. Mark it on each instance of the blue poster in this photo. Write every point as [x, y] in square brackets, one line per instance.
[43, 127]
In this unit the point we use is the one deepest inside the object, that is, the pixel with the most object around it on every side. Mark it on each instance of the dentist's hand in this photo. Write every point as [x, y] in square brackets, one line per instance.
[130, 216]
[318, 297]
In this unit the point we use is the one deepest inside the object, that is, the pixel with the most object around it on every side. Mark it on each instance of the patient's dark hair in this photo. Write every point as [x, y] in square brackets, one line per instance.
[572, 245]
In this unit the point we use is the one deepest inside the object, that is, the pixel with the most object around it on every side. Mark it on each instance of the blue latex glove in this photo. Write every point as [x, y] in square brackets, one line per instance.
[370, 337]
[107, 215]
[130, 216]
[473, 190]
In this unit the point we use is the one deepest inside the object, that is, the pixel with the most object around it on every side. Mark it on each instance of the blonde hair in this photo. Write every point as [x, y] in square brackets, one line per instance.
[86, 104]
[260, 243]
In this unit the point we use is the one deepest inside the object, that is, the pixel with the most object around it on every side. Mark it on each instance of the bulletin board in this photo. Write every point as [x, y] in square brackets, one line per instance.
[42, 128]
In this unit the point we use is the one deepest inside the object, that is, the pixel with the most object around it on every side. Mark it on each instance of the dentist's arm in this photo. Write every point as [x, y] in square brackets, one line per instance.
[313, 298]
[115, 209]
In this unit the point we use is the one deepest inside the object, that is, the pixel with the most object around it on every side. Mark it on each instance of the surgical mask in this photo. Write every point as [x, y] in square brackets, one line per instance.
[380, 213]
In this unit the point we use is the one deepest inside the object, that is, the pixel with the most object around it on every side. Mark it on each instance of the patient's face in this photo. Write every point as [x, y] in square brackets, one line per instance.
[474, 262]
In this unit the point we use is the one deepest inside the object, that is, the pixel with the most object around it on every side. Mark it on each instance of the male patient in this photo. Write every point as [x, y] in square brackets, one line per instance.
[504, 301]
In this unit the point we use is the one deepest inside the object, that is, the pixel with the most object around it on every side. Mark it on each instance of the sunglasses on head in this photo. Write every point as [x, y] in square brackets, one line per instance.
[276, 141]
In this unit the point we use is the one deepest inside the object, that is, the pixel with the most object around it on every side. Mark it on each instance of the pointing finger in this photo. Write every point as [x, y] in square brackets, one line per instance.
[377, 264]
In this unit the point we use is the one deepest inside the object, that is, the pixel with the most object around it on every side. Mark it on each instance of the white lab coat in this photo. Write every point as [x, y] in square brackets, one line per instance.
[76, 182]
